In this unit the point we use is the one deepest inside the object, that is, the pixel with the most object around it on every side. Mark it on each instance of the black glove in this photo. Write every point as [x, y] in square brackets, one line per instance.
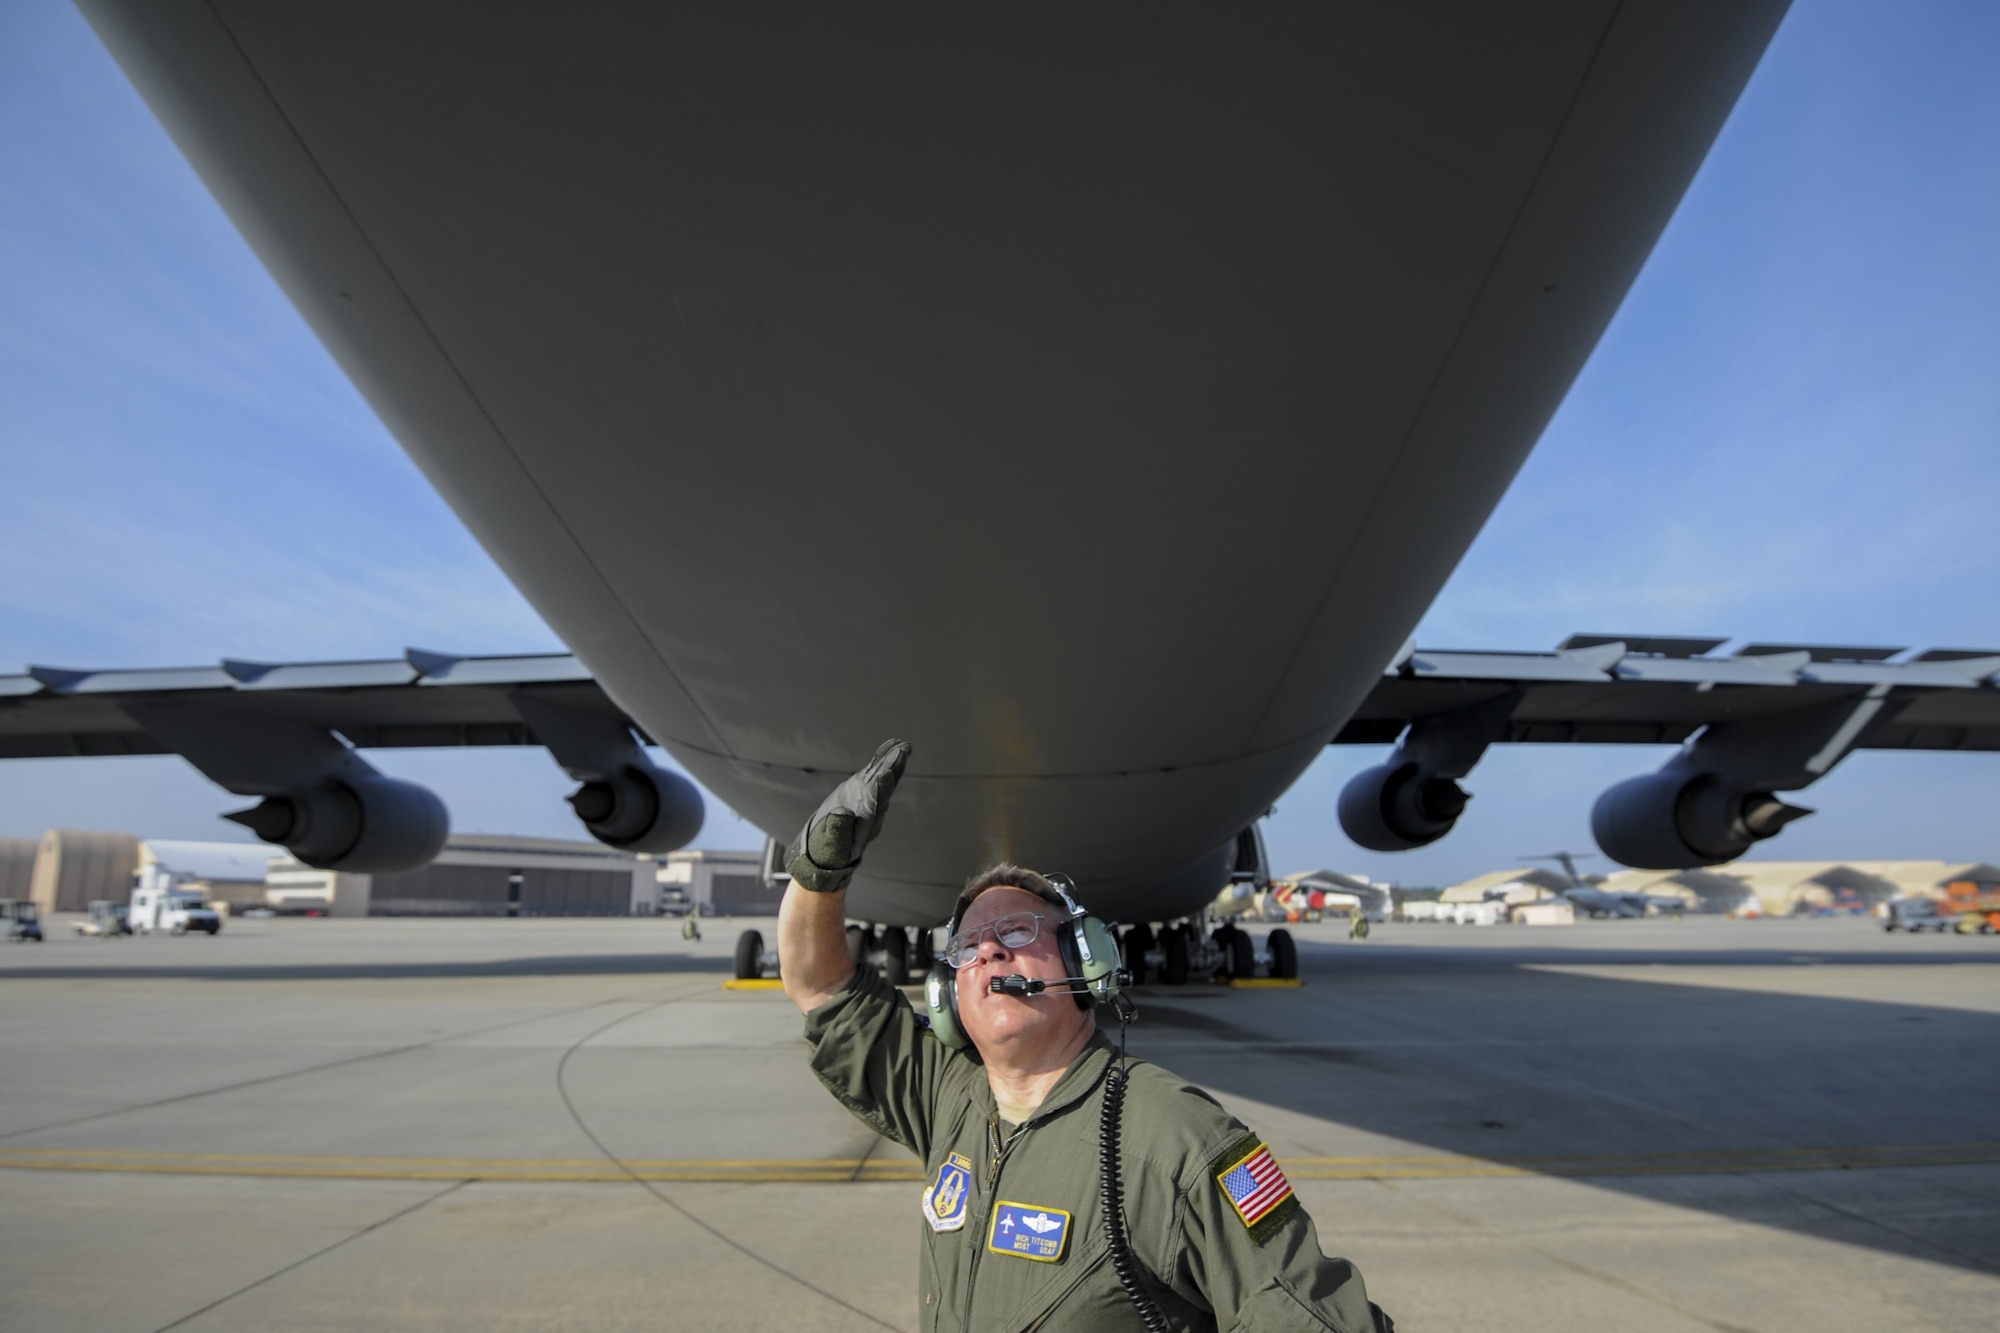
[826, 851]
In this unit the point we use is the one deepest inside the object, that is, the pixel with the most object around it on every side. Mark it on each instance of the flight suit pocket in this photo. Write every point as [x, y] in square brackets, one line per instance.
[1273, 1308]
[1064, 1307]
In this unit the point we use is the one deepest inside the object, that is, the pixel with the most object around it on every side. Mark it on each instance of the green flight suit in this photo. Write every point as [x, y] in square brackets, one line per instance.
[1205, 1267]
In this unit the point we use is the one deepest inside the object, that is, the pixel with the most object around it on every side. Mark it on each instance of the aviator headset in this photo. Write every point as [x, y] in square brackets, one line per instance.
[1088, 948]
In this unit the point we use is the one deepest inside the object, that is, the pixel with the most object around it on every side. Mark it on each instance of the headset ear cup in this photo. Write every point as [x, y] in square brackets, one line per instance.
[1102, 971]
[941, 999]
[1070, 944]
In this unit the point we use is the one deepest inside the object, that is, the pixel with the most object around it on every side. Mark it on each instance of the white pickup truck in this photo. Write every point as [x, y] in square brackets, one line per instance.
[176, 911]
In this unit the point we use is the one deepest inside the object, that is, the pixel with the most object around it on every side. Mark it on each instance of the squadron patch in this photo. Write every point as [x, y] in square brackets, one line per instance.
[1028, 1231]
[1249, 1178]
[945, 1200]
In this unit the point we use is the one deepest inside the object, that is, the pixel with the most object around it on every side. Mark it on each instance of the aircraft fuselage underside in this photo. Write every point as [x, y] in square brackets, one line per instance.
[1096, 405]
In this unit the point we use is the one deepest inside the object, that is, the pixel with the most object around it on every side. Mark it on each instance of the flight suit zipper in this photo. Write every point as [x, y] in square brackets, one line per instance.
[999, 1148]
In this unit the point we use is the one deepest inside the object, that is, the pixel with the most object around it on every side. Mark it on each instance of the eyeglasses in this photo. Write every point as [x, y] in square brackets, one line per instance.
[1016, 930]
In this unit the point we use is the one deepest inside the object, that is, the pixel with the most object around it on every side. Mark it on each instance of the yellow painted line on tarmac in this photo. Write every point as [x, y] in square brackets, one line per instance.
[834, 1170]
[1265, 983]
[753, 983]
[1747, 1161]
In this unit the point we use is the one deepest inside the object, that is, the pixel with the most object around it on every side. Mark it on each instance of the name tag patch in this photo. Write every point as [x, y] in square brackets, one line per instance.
[1028, 1231]
[945, 1200]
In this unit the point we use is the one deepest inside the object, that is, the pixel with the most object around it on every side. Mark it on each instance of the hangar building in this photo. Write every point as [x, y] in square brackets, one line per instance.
[721, 883]
[1782, 888]
[482, 874]
[75, 866]
[17, 867]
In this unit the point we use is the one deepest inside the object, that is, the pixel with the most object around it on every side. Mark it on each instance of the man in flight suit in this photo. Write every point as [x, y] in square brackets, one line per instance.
[1014, 1225]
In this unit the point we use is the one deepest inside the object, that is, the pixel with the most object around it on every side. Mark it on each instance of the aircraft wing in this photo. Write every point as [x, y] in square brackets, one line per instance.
[1592, 690]
[1655, 691]
[1770, 718]
[290, 734]
[420, 699]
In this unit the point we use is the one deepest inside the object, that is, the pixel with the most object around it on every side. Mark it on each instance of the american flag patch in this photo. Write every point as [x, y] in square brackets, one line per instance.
[1255, 1185]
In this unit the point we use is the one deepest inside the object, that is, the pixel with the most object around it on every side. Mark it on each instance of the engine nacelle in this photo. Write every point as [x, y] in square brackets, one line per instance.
[1674, 820]
[640, 809]
[1395, 807]
[364, 823]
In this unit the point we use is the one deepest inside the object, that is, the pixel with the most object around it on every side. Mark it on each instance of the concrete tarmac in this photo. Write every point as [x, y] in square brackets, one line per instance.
[557, 1124]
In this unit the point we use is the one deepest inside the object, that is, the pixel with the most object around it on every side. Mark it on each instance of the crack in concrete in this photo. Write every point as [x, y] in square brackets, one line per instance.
[297, 1264]
[562, 1089]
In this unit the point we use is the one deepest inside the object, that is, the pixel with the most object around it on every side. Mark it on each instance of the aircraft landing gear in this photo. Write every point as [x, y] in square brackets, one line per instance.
[753, 960]
[1239, 951]
[1180, 952]
[889, 949]
[1283, 955]
[895, 944]
[1137, 944]
[886, 947]
[1174, 951]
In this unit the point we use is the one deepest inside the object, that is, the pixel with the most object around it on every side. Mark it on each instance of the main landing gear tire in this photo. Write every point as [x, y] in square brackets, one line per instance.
[1241, 951]
[1174, 969]
[1284, 955]
[896, 955]
[1138, 941]
[749, 956]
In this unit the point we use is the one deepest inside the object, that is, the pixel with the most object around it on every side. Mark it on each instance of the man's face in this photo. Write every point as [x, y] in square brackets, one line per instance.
[1014, 1026]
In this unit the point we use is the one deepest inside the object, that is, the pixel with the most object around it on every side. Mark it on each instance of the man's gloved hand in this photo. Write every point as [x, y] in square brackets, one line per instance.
[826, 851]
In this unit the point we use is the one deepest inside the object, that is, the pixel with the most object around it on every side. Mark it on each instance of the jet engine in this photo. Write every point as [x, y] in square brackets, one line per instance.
[321, 801]
[361, 822]
[1414, 799]
[640, 808]
[1677, 820]
[626, 801]
[1394, 807]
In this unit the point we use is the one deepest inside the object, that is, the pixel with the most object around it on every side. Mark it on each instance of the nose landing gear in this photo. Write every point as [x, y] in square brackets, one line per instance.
[753, 961]
[889, 948]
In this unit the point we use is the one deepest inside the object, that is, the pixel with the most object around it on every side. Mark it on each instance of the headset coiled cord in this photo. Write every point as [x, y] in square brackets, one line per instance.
[1122, 1260]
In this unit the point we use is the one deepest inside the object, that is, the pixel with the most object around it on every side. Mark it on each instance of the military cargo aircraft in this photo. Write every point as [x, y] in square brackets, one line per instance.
[964, 343]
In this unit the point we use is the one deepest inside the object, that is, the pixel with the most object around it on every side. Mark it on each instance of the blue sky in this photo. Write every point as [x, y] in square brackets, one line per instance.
[1790, 432]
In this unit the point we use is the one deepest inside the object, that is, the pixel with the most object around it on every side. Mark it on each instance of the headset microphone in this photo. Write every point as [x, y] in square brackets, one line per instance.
[1024, 986]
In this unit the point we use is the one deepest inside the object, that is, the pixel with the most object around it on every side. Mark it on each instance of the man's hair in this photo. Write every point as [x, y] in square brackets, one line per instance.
[1007, 875]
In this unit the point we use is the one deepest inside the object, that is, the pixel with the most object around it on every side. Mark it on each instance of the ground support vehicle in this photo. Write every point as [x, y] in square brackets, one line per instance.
[176, 911]
[1912, 914]
[108, 920]
[1968, 911]
[23, 918]
[1971, 907]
